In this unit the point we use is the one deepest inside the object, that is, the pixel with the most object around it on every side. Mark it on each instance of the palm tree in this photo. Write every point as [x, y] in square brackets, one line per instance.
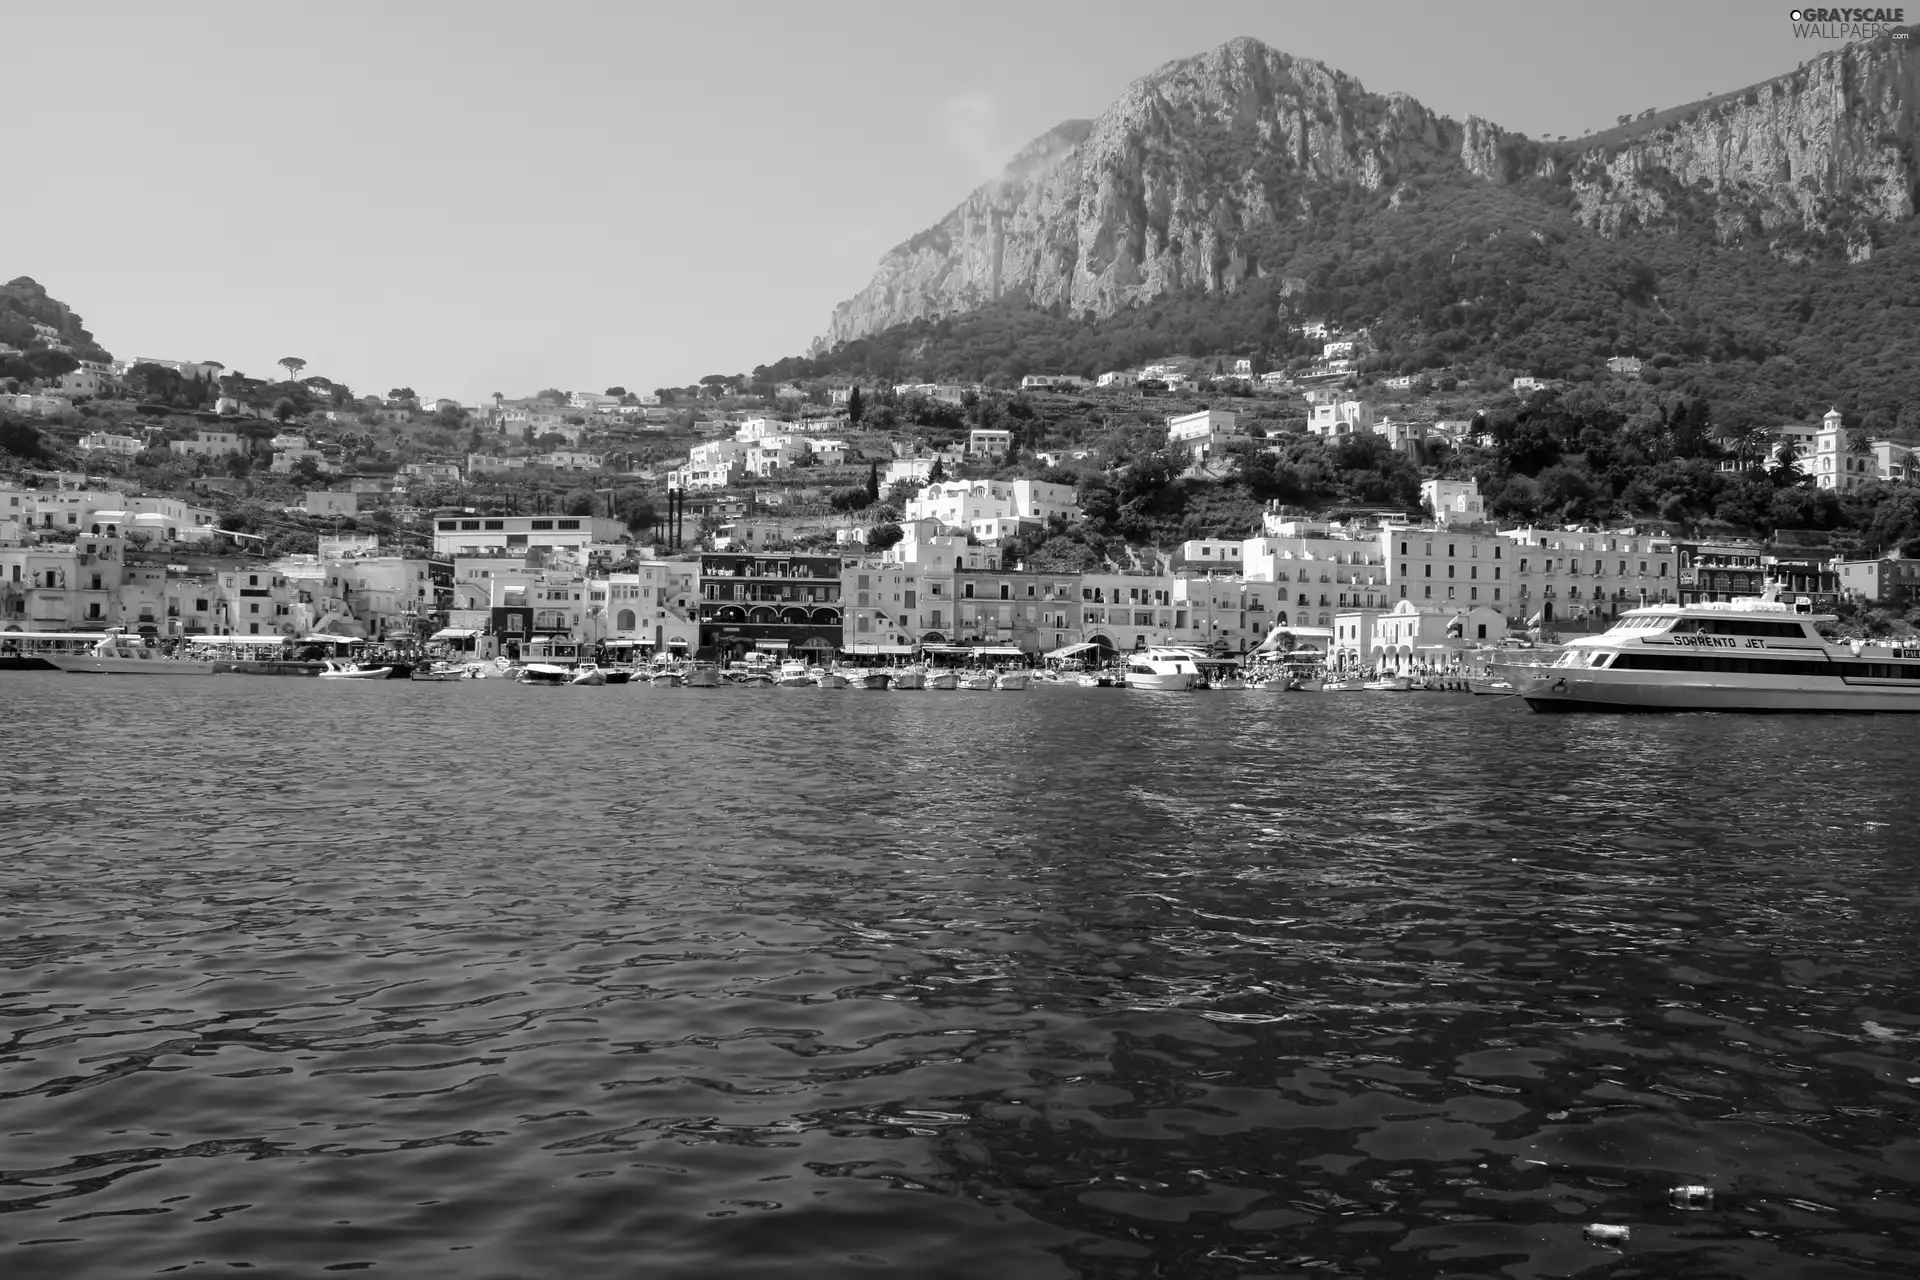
[1786, 467]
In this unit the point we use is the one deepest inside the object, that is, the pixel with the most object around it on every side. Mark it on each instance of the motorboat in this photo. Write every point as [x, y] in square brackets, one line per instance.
[349, 669]
[1739, 655]
[117, 653]
[1490, 686]
[1015, 680]
[545, 673]
[666, 677]
[794, 674]
[827, 678]
[909, 677]
[442, 673]
[703, 675]
[587, 673]
[1162, 669]
[868, 678]
[1388, 684]
[979, 679]
[944, 678]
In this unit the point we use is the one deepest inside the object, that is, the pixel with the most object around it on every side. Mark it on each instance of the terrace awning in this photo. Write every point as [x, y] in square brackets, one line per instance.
[892, 650]
[454, 633]
[773, 646]
[999, 651]
[1067, 651]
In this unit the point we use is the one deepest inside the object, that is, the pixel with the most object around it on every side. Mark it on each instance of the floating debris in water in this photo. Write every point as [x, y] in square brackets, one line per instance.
[1691, 1197]
[1602, 1233]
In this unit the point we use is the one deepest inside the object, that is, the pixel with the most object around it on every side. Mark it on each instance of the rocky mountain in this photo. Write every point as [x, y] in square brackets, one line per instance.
[24, 303]
[1220, 169]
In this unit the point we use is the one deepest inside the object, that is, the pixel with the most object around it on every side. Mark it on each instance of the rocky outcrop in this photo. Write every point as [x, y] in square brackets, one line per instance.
[1828, 148]
[1178, 183]
[25, 303]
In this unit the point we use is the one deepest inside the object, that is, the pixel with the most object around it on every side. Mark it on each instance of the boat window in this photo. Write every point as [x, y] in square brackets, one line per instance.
[1643, 661]
[1599, 660]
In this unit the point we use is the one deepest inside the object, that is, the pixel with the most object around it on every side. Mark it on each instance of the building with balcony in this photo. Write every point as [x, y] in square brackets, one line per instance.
[770, 601]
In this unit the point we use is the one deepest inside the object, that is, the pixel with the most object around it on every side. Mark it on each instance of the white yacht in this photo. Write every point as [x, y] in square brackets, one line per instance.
[1743, 655]
[1162, 669]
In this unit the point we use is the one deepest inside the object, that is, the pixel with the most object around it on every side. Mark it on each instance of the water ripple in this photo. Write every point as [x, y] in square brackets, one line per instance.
[478, 980]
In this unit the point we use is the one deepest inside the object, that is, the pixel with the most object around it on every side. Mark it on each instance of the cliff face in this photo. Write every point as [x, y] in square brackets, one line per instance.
[1828, 148]
[1202, 167]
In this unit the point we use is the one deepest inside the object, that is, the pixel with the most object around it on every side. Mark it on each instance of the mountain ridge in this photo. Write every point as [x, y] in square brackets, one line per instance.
[1213, 170]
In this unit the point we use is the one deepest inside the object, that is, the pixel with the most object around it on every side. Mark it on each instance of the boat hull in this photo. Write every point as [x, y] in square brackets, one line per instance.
[943, 680]
[244, 667]
[87, 664]
[1572, 689]
[1012, 680]
[830, 680]
[1168, 682]
[703, 678]
[909, 679]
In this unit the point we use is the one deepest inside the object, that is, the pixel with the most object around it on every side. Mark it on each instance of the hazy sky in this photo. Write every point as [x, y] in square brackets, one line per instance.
[487, 196]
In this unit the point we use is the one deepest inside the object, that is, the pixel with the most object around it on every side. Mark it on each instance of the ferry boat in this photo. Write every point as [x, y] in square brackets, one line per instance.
[1741, 655]
[1163, 669]
[117, 653]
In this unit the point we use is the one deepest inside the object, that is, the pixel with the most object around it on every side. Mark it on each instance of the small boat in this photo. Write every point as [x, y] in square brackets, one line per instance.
[868, 678]
[545, 673]
[829, 679]
[1013, 681]
[946, 678]
[441, 673]
[1491, 686]
[587, 673]
[794, 674]
[909, 677]
[978, 680]
[1388, 684]
[350, 670]
[666, 678]
[703, 675]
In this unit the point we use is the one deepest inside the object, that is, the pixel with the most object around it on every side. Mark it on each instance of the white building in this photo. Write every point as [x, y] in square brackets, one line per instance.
[1454, 501]
[958, 504]
[1202, 435]
[209, 444]
[1118, 378]
[107, 442]
[989, 442]
[476, 535]
[1334, 418]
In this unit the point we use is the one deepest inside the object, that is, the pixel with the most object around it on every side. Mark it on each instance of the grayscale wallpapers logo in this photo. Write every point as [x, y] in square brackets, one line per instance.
[1846, 24]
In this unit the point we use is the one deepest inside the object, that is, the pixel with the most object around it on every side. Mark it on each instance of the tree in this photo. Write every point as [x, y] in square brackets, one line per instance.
[938, 473]
[883, 535]
[239, 464]
[616, 391]
[283, 409]
[873, 481]
[578, 502]
[293, 365]
[1786, 466]
[402, 393]
[856, 409]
